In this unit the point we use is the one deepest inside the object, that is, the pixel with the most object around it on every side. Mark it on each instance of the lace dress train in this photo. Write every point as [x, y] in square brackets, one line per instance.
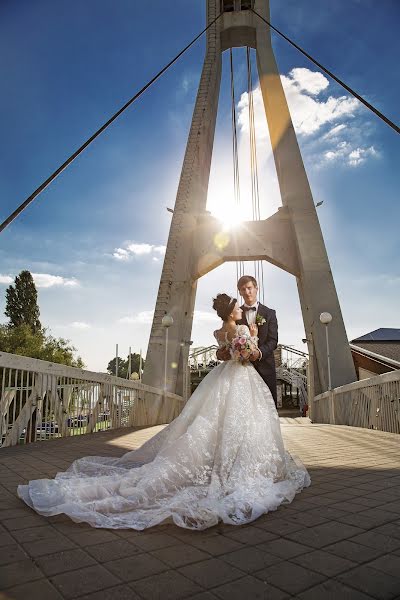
[222, 458]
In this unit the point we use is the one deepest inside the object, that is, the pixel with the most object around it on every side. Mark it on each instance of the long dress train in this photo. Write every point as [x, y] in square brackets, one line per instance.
[222, 458]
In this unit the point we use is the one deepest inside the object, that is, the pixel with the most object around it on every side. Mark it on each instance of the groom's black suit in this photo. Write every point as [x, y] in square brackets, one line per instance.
[267, 342]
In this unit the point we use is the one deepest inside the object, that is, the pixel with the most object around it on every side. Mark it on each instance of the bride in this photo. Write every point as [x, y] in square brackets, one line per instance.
[221, 459]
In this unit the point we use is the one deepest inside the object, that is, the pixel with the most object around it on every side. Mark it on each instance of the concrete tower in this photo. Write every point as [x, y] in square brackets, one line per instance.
[290, 239]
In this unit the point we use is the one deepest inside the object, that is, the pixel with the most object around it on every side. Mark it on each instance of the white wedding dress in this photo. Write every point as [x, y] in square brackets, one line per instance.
[222, 458]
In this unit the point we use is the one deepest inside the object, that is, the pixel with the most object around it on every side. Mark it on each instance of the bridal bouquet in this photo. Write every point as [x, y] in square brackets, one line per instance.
[242, 347]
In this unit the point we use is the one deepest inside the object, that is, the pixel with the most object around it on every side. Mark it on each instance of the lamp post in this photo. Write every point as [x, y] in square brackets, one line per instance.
[310, 373]
[166, 322]
[325, 319]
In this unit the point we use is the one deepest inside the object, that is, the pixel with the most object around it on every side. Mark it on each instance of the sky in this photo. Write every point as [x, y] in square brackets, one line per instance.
[95, 238]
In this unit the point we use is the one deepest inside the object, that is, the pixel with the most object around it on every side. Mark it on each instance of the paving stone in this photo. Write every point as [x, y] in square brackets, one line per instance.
[113, 550]
[370, 581]
[23, 522]
[281, 527]
[33, 534]
[289, 577]
[322, 535]
[324, 562]
[284, 548]
[12, 553]
[388, 563]
[349, 507]
[133, 568]
[249, 587]
[216, 544]
[15, 513]
[372, 539]
[49, 546]
[366, 501]
[211, 573]
[393, 507]
[203, 596]
[18, 572]
[309, 519]
[120, 592]
[372, 517]
[180, 555]
[40, 589]
[389, 529]
[153, 541]
[84, 581]
[91, 537]
[250, 559]
[352, 551]
[61, 562]
[332, 590]
[251, 535]
[169, 585]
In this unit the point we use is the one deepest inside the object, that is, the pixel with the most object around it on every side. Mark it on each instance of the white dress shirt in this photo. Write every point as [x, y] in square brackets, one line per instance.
[251, 318]
[251, 314]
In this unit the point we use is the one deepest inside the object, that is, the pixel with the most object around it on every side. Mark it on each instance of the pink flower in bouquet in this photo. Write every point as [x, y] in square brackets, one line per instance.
[241, 348]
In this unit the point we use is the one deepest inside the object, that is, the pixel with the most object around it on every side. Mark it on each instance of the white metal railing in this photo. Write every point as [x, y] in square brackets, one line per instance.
[373, 403]
[203, 358]
[41, 400]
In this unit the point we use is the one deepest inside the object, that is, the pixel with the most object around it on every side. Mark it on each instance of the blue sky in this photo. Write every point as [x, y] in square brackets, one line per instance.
[94, 239]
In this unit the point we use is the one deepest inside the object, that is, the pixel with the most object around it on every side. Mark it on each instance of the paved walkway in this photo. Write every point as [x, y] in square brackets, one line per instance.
[338, 539]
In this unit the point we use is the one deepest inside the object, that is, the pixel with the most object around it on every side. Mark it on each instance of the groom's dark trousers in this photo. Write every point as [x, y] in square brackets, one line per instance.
[267, 342]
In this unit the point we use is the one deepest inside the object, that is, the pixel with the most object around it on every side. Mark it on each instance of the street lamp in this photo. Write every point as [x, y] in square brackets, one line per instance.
[166, 322]
[325, 319]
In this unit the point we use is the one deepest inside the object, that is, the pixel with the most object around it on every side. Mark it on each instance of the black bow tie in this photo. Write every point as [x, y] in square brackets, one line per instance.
[249, 308]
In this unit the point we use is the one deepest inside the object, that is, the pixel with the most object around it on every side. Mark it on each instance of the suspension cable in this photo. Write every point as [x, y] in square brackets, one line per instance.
[339, 81]
[73, 156]
[255, 190]
[235, 156]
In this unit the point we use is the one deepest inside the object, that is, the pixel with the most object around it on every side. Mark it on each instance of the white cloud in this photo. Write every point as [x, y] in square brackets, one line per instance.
[348, 155]
[305, 80]
[205, 317]
[44, 280]
[80, 325]
[146, 317]
[6, 279]
[121, 254]
[312, 115]
[143, 317]
[138, 249]
[334, 131]
[360, 155]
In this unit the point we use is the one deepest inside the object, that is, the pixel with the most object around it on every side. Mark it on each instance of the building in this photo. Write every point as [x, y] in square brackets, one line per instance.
[376, 352]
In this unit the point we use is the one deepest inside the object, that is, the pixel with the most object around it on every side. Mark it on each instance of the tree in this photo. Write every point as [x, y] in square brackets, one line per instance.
[123, 365]
[21, 303]
[23, 341]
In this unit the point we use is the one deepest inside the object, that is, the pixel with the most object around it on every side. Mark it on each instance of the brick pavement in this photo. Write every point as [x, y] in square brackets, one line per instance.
[338, 539]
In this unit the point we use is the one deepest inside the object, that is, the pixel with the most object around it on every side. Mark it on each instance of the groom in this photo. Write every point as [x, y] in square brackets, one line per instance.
[265, 318]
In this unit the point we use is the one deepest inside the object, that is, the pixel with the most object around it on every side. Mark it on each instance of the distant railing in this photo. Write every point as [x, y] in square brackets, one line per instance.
[373, 403]
[41, 400]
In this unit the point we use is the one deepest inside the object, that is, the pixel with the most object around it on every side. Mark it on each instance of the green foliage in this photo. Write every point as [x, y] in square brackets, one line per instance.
[124, 364]
[21, 303]
[40, 344]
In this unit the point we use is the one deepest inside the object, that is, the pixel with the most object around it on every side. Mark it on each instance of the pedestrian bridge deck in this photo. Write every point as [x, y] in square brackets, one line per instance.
[339, 538]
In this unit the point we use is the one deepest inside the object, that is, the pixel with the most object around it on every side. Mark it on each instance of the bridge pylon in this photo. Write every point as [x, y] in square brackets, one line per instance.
[290, 239]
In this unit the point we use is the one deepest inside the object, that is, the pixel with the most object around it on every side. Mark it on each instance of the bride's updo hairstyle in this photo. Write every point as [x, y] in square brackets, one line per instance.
[224, 305]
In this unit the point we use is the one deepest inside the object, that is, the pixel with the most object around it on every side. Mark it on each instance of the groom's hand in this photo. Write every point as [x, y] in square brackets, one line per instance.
[255, 355]
[223, 354]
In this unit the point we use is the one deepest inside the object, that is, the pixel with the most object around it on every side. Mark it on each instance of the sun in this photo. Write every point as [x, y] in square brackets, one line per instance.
[223, 208]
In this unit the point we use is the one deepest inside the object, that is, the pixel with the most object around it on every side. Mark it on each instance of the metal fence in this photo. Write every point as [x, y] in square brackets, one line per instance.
[373, 403]
[41, 400]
